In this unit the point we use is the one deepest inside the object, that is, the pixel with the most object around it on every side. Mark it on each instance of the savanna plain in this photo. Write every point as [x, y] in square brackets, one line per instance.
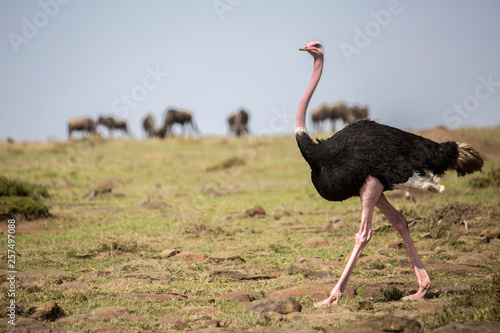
[228, 234]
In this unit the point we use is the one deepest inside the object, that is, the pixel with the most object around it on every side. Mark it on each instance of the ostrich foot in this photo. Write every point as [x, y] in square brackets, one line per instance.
[418, 295]
[412, 297]
[333, 299]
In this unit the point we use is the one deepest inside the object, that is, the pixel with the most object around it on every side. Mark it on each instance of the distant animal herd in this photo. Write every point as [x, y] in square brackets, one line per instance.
[337, 111]
[237, 121]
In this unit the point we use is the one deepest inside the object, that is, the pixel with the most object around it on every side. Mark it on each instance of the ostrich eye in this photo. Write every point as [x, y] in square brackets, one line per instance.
[317, 46]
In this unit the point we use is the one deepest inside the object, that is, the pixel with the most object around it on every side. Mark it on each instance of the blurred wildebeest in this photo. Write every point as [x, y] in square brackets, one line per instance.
[318, 116]
[238, 122]
[81, 124]
[339, 110]
[113, 124]
[331, 112]
[148, 125]
[182, 117]
[335, 111]
[359, 112]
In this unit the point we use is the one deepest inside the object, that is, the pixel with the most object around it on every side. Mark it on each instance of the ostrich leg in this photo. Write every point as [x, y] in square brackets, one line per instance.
[370, 193]
[399, 223]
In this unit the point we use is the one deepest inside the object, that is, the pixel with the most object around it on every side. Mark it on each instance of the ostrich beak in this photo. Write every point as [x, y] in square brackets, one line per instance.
[303, 49]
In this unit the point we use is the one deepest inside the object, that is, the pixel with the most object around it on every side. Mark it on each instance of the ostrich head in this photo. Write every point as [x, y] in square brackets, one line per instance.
[315, 48]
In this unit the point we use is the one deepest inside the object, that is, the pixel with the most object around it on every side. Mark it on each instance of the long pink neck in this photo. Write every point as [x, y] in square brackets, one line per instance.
[300, 120]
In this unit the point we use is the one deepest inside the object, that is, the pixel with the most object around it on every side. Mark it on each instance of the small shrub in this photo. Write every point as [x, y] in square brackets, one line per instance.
[491, 178]
[358, 290]
[17, 188]
[18, 198]
[278, 248]
[199, 229]
[377, 265]
[22, 206]
[389, 293]
[195, 228]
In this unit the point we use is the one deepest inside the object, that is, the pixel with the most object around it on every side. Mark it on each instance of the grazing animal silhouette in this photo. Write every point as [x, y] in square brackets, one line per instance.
[182, 117]
[336, 111]
[339, 110]
[113, 124]
[367, 158]
[81, 124]
[148, 125]
[238, 122]
[359, 112]
[318, 117]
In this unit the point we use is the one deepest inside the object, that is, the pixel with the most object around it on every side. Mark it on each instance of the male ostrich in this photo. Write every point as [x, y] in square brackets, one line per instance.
[367, 158]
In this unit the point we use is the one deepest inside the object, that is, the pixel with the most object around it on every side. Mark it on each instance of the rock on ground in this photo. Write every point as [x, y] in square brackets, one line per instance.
[189, 256]
[278, 304]
[256, 211]
[167, 253]
[383, 324]
[28, 325]
[49, 310]
[218, 258]
[103, 314]
[175, 321]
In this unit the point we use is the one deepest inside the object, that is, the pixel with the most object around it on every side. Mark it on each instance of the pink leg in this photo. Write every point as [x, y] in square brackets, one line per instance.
[399, 223]
[369, 194]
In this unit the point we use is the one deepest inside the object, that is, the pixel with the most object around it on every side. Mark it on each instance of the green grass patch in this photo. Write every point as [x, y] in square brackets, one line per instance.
[491, 178]
[20, 198]
[27, 207]
[17, 188]
[479, 302]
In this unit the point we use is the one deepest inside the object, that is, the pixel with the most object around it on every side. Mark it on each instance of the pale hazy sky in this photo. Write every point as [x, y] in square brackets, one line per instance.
[416, 64]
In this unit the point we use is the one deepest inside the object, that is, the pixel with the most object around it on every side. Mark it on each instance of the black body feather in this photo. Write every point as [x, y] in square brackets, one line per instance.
[341, 164]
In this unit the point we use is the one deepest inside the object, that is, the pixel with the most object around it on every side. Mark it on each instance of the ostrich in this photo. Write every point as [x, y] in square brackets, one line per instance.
[367, 158]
